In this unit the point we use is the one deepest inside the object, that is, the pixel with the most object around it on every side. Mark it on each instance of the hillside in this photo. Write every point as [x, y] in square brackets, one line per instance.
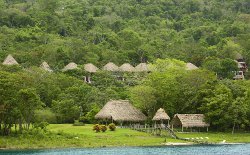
[166, 34]
[86, 31]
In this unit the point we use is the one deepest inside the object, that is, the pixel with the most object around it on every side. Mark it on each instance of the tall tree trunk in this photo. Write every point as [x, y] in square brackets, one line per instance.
[20, 125]
[15, 127]
[233, 128]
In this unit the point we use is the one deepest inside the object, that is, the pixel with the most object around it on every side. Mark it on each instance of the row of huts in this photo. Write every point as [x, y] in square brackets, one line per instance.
[122, 111]
[91, 69]
[126, 67]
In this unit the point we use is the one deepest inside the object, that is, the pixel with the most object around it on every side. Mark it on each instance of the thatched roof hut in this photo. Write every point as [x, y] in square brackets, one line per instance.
[161, 115]
[70, 66]
[9, 60]
[45, 66]
[111, 67]
[190, 66]
[189, 120]
[126, 67]
[142, 67]
[120, 110]
[90, 68]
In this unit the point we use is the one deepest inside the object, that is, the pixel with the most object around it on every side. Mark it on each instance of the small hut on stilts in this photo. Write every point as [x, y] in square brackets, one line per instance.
[111, 67]
[160, 118]
[142, 67]
[190, 66]
[45, 66]
[70, 66]
[9, 60]
[90, 68]
[122, 112]
[125, 68]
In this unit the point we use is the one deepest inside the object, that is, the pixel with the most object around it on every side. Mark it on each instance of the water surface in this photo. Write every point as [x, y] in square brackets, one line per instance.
[242, 149]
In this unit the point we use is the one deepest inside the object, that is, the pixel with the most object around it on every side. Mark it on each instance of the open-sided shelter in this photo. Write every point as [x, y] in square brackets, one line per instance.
[189, 121]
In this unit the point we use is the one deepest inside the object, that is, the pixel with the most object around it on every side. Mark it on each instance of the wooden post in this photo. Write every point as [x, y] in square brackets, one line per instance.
[207, 128]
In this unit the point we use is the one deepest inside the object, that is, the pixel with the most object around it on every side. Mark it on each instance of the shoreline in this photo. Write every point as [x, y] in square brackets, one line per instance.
[168, 144]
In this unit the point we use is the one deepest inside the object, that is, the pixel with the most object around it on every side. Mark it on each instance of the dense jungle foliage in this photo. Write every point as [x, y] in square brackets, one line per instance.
[166, 33]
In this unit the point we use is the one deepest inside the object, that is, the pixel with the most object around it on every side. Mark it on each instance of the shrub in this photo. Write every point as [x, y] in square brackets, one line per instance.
[78, 123]
[97, 128]
[45, 115]
[112, 127]
[103, 128]
[41, 125]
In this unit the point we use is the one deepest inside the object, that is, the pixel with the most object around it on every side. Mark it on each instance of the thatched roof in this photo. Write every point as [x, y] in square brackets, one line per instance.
[190, 66]
[46, 67]
[142, 67]
[127, 68]
[70, 66]
[120, 110]
[161, 115]
[9, 60]
[189, 120]
[111, 67]
[90, 68]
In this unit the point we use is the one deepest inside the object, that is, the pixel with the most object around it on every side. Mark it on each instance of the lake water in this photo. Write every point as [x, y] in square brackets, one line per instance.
[242, 149]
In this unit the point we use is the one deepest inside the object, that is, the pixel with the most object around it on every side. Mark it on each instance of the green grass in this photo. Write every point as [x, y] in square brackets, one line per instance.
[69, 136]
[219, 137]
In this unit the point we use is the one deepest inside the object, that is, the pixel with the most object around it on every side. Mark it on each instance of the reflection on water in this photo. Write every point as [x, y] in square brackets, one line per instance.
[243, 149]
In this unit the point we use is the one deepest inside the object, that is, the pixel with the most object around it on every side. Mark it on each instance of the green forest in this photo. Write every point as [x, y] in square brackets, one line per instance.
[163, 33]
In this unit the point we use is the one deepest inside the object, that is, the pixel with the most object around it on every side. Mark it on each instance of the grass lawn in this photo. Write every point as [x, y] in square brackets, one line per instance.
[68, 136]
[218, 137]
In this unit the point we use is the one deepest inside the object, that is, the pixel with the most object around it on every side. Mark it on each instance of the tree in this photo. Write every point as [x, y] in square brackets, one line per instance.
[224, 68]
[28, 102]
[144, 98]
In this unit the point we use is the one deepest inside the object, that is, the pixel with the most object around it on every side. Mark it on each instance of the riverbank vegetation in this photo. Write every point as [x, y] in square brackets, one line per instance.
[69, 136]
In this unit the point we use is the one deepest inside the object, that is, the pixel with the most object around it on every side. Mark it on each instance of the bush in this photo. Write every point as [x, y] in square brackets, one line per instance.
[78, 123]
[97, 128]
[112, 127]
[103, 128]
[45, 115]
[41, 125]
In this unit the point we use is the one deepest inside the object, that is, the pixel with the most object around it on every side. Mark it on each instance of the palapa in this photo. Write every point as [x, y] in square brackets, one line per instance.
[161, 115]
[126, 67]
[9, 60]
[142, 67]
[70, 66]
[189, 120]
[120, 110]
[46, 67]
[111, 67]
[190, 66]
[90, 68]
